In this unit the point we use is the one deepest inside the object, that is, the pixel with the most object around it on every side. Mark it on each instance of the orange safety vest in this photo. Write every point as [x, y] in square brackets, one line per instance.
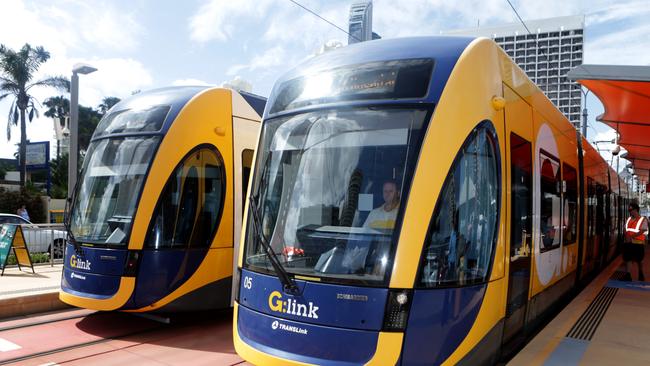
[633, 230]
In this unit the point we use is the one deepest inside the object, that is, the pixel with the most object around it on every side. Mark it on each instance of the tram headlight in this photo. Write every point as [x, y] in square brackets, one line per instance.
[397, 310]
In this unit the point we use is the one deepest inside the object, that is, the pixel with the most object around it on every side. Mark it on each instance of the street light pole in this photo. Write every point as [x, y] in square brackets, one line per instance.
[74, 130]
[74, 124]
[584, 113]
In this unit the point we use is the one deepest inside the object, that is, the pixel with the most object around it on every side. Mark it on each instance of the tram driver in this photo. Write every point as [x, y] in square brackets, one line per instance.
[384, 216]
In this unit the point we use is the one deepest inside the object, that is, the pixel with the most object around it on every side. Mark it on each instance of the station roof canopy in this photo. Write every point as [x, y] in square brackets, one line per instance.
[625, 93]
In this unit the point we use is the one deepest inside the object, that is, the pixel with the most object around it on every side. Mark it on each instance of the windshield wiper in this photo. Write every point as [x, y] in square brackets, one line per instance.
[67, 216]
[288, 283]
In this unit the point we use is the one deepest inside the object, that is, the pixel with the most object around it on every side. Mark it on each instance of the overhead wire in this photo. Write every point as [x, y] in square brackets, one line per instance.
[541, 50]
[529, 32]
[323, 19]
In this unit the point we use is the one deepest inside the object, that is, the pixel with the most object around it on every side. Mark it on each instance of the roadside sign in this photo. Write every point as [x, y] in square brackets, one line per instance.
[11, 237]
[6, 239]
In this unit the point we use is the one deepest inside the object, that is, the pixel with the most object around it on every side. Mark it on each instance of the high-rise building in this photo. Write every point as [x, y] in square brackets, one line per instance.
[360, 23]
[552, 48]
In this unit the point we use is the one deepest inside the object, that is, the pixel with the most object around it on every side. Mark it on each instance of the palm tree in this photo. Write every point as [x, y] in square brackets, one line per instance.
[58, 108]
[107, 103]
[17, 70]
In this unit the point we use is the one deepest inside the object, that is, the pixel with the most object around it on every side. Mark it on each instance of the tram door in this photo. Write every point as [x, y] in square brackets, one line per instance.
[519, 122]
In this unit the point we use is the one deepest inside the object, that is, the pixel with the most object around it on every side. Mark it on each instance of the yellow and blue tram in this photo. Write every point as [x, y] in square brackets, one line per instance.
[159, 202]
[415, 201]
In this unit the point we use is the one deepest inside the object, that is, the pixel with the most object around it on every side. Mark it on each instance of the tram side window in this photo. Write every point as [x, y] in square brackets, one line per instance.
[521, 157]
[570, 203]
[550, 201]
[462, 233]
[247, 163]
[210, 200]
[591, 208]
[187, 213]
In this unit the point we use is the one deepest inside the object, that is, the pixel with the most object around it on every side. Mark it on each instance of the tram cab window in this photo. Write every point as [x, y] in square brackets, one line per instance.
[188, 211]
[462, 233]
[550, 202]
[110, 183]
[320, 176]
[570, 203]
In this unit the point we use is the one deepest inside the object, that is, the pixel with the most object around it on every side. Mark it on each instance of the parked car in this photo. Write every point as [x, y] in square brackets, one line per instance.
[39, 239]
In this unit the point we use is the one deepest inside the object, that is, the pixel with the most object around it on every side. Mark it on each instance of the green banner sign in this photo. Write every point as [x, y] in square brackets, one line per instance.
[7, 233]
[11, 237]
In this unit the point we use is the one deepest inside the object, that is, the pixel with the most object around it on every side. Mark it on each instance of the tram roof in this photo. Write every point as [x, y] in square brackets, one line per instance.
[444, 50]
[176, 97]
[625, 94]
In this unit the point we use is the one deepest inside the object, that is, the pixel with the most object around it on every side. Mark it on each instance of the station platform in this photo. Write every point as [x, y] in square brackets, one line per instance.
[608, 323]
[23, 293]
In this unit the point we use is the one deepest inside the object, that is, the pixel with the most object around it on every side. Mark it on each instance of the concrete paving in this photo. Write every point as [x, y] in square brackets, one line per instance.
[23, 293]
[620, 337]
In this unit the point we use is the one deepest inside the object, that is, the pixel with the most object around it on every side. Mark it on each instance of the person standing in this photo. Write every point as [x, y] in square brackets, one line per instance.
[636, 232]
[22, 212]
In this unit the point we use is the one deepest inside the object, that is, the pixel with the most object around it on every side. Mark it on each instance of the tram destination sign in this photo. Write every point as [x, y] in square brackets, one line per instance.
[396, 79]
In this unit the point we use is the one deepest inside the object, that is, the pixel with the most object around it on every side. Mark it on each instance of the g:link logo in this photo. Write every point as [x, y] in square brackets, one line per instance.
[79, 263]
[291, 306]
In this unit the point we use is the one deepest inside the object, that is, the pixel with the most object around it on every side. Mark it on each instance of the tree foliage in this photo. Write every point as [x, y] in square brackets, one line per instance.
[17, 70]
[107, 103]
[10, 202]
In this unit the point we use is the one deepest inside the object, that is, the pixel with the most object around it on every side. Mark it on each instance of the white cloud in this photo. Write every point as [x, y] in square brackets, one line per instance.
[235, 69]
[77, 24]
[218, 19]
[624, 46]
[189, 82]
[115, 77]
[618, 11]
[107, 26]
[65, 32]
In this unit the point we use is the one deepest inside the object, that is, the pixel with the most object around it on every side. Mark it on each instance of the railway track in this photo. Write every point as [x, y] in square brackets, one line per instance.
[75, 338]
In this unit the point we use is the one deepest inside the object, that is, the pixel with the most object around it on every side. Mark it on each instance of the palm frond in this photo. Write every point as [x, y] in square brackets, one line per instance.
[6, 80]
[12, 118]
[58, 82]
[33, 112]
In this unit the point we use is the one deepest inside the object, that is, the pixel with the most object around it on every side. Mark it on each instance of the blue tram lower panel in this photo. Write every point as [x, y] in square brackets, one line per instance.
[303, 342]
[89, 285]
[160, 272]
[330, 305]
[339, 324]
[92, 272]
[438, 322]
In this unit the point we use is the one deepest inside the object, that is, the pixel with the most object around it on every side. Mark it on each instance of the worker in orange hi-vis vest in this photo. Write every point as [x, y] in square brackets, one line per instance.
[636, 232]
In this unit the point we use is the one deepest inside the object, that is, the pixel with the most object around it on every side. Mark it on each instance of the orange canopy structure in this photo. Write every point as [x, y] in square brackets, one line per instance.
[625, 93]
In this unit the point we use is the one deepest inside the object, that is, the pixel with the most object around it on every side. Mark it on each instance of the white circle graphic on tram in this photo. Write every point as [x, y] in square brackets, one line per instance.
[547, 221]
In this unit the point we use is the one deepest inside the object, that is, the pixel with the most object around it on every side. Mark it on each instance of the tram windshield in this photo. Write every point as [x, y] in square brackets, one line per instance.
[329, 188]
[109, 187]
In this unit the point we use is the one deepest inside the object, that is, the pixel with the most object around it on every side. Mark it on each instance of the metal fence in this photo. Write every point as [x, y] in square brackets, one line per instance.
[48, 239]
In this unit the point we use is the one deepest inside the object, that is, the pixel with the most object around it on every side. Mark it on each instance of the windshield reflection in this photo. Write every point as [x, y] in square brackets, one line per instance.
[110, 184]
[329, 190]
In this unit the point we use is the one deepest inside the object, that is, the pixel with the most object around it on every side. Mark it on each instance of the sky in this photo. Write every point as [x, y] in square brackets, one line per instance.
[147, 44]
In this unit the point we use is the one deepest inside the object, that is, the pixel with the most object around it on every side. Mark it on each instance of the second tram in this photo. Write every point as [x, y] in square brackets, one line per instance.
[415, 201]
[159, 202]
